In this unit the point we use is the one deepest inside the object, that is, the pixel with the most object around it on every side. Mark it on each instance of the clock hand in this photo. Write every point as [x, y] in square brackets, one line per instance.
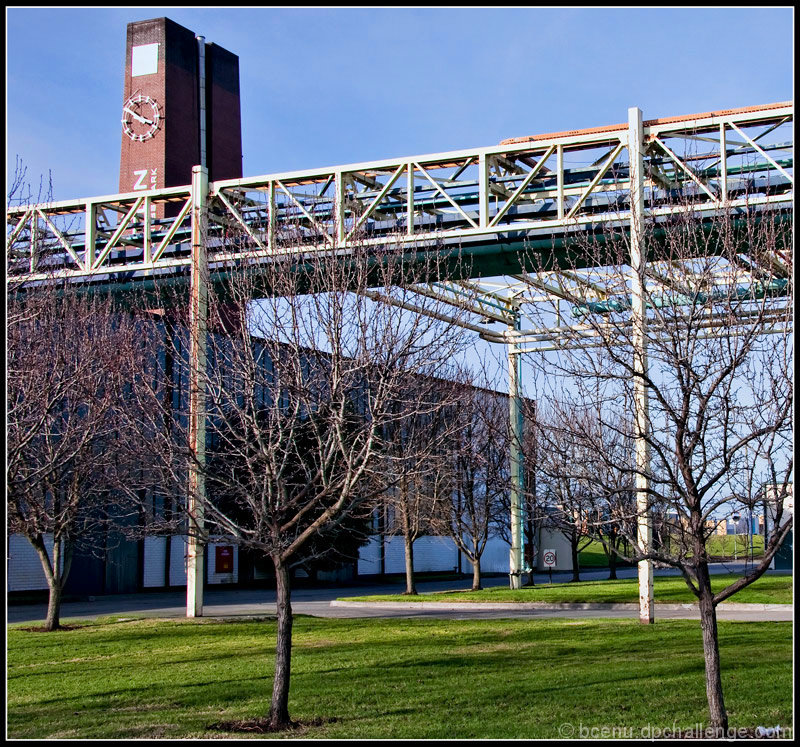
[137, 117]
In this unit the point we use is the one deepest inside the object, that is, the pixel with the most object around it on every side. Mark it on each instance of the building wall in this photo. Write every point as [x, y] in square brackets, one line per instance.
[441, 554]
[89, 573]
[24, 569]
[155, 551]
[431, 553]
[554, 541]
[770, 496]
[155, 557]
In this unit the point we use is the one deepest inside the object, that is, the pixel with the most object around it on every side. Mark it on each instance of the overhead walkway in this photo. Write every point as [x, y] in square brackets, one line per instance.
[484, 205]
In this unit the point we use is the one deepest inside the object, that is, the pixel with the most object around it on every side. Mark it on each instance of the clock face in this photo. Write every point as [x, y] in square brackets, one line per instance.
[140, 118]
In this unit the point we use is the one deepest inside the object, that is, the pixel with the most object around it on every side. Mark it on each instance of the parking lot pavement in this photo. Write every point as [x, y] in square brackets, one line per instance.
[306, 601]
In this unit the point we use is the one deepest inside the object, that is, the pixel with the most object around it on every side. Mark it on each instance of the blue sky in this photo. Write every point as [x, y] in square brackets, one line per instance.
[323, 87]
[328, 86]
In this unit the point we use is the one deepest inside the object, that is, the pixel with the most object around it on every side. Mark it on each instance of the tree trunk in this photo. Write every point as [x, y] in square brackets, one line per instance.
[53, 621]
[279, 708]
[708, 623]
[55, 572]
[530, 550]
[476, 574]
[612, 561]
[411, 587]
[576, 568]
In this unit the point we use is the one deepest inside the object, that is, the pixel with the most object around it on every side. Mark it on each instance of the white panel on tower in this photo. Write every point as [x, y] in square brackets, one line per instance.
[144, 59]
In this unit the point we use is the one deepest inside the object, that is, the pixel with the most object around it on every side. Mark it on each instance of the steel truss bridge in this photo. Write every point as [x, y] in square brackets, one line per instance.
[484, 205]
[487, 205]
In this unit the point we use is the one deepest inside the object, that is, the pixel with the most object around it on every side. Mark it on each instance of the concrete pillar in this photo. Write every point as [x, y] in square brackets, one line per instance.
[517, 555]
[198, 328]
[639, 324]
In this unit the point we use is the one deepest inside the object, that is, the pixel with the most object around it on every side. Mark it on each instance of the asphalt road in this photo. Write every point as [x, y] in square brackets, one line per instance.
[316, 602]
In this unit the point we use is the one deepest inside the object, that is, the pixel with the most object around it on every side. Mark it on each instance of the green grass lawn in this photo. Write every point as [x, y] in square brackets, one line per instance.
[769, 589]
[389, 678]
[594, 556]
[735, 545]
[732, 546]
[728, 546]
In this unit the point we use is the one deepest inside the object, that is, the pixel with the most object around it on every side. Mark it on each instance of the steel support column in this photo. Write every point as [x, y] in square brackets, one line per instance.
[517, 555]
[198, 321]
[201, 95]
[639, 333]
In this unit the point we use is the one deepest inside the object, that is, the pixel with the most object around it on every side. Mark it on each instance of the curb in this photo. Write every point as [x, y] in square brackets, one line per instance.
[510, 607]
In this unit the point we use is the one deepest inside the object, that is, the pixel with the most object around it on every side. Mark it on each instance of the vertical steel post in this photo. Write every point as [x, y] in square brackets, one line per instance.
[34, 239]
[410, 199]
[198, 327]
[723, 164]
[272, 216]
[560, 180]
[90, 230]
[483, 191]
[639, 324]
[147, 231]
[339, 216]
[201, 85]
[515, 453]
[198, 319]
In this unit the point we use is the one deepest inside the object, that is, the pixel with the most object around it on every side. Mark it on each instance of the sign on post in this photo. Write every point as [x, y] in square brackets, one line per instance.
[549, 560]
[224, 559]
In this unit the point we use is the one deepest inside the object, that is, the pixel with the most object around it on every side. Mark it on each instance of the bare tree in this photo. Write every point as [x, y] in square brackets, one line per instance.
[575, 480]
[20, 190]
[476, 466]
[71, 359]
[564, 463]
[719, 382]
[612, 524]
[417, 445]
[310, 370]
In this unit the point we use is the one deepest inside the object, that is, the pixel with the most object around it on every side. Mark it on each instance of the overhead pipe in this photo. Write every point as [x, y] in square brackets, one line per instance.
[744, 292]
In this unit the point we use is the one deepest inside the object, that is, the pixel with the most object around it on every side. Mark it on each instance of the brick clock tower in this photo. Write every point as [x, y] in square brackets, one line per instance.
[180, 108]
